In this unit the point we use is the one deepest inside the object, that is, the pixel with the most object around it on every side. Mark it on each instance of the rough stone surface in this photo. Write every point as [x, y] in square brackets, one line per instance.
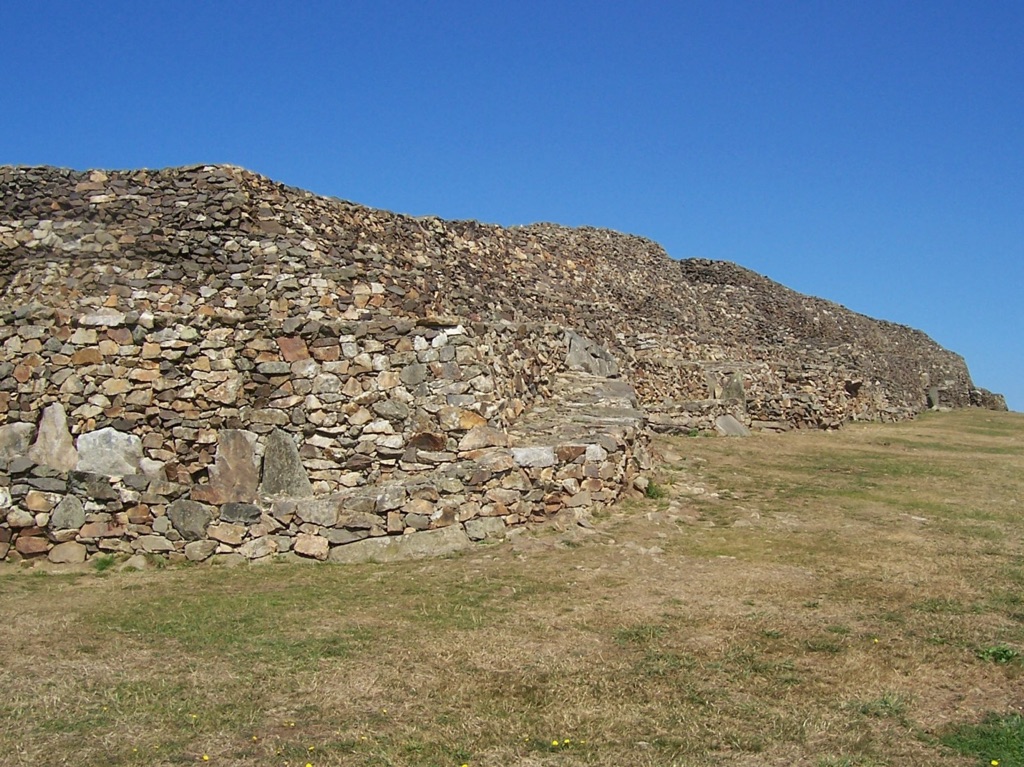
[283, 474]
[243, 513]
[199, 551]
[189, 518]
[15, 440]
[311, 546]
[54, 446]
[68, 515]
[446, 540]
[728, 426]
[109, 452]
[485, 527]
[235, 473]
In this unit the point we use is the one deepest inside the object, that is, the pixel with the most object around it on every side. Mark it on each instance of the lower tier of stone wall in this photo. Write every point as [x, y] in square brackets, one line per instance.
[256, 506]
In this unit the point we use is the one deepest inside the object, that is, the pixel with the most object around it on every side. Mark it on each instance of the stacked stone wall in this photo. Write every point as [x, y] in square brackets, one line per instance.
[171, 339]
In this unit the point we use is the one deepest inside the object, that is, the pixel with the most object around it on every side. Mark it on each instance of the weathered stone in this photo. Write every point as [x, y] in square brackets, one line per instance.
[431, 543]
[31, 546]
[15, 440]
[241, 513]
[235, 473]
[54, 446]
[311, 546]
[68, 515]
[226, 533]
[485, 527]
[321, 511]
[198, 551]
[293, 349]
[357, 520]
[283, 474]
[109, 452]
[39, 501]
[534, 456]
[155, 544]
[190, 519]
[481, 437]
[258, 548]
[585, 355]
[728, 426]
[20, 518]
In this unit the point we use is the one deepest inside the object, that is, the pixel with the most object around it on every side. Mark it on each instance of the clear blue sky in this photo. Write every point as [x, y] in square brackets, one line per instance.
[871, 153]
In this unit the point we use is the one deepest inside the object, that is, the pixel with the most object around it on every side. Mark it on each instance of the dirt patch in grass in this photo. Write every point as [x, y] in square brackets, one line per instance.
[846, 598]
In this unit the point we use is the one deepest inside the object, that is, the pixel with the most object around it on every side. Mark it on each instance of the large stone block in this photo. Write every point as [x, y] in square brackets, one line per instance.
[15, 440]
[109, 452]
[283, 473]
[235, 473]
[54, 446]
[395, 548]
[190, 519]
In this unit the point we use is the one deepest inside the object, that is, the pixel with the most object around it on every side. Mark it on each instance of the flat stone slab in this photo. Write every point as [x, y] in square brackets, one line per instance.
[396, 548]
[728, 426]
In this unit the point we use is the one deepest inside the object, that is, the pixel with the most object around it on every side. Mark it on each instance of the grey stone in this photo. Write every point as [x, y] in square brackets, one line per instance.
[534, 456]
[135, 562]
[391, 409]
[258, 548]
[485, 527]
[190, 519]
[155, 543]
[358, 520]
[242, 513]
[15, 440]
[20, 518]
[587, 356]
[198, 551]
[323, 512]
[395, 548]
[728, 426]
[414, 374]
[69, 514]
[109, 452]
[109, 318]
[283, 474]
[54, 446]
[733, 388]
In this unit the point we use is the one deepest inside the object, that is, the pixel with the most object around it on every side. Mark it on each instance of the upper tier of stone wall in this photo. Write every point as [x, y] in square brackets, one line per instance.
[222, 242]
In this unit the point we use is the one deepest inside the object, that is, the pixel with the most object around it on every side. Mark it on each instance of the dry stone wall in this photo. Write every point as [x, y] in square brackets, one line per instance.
[201, 362]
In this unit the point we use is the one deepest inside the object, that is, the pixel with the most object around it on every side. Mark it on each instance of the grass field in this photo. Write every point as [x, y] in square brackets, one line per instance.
[824, 599]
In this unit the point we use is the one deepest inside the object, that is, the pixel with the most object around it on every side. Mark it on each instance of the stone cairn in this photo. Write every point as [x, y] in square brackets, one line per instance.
[202, 364]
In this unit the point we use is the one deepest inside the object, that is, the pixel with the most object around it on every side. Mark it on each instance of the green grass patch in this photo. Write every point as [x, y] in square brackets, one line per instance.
[998, 739]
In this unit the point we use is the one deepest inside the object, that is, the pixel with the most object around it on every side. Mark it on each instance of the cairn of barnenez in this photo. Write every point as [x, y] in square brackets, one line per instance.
[202, 363]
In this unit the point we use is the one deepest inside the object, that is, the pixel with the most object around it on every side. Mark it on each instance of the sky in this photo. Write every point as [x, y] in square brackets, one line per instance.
[870, 153]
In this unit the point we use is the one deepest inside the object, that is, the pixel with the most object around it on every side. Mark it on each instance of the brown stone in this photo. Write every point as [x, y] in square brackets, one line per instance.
[87, 356]
[68, 553]
[309, 545]
[31, 546]
[293, 349]
[235, 473]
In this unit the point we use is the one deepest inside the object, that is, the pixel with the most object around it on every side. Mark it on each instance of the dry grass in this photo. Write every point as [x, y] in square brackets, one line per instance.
[807, 599]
